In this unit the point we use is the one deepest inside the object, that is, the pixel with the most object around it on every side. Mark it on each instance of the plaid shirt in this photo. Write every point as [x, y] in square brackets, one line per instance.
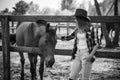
[90, 38]
[90, 35]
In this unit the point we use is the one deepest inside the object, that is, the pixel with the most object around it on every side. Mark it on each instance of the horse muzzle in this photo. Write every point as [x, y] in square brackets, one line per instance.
[50, 61]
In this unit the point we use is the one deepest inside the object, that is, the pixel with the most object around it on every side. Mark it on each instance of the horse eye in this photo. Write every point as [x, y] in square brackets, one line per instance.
[46, 41]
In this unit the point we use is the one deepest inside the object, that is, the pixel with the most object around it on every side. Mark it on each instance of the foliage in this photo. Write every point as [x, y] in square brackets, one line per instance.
[20, 8]
[105, 5]
[33, 8]
[67, 4]
[5, 11]
[46, 11]
[92, 10]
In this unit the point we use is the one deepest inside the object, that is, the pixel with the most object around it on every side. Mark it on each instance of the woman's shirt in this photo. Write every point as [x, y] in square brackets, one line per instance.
[90, 38]
[81, 42]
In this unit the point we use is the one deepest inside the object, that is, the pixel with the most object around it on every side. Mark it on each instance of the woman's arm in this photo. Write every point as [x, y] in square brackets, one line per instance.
[69, 37]
[91, 57]
[93, 45]
[94, 50]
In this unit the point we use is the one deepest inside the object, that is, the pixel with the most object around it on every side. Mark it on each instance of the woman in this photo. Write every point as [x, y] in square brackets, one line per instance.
[85, 43]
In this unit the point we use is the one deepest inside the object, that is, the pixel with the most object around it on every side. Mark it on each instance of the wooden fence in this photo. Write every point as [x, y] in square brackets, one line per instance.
[6, 45]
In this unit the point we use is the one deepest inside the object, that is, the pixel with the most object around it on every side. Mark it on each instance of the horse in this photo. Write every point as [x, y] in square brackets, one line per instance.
[36, 34]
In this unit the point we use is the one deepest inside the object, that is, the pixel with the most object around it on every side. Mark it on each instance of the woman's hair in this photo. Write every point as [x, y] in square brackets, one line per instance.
[83, 25]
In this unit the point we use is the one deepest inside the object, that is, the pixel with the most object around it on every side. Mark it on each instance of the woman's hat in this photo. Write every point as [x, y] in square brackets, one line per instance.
[81, 14]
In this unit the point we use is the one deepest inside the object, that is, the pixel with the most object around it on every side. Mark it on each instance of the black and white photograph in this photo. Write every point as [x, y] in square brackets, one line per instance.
[59, 39]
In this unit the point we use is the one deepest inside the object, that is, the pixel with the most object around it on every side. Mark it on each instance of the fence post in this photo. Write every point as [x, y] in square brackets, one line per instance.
[67, 28]
[6, 48]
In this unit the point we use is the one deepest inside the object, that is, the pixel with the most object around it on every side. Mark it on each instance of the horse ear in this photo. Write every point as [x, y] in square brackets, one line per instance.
[54, 28]
[50, 28]
[47, 27]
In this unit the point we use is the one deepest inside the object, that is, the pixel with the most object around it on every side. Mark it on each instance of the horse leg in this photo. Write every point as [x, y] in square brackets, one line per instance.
[41, 69]
[32, 66]
[22, 59]
[35, 62]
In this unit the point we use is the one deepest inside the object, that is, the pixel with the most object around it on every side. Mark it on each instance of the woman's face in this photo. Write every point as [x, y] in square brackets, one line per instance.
[82, 24]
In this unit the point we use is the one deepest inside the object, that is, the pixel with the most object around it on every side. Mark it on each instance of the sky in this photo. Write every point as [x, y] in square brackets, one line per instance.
[53, 4]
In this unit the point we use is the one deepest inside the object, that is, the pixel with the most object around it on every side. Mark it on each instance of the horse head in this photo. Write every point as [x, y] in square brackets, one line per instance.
[47, 45]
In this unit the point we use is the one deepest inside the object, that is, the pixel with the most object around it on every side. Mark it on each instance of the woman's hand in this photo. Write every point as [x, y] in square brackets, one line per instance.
[94, 50]
[90, 58]
[59, 37]
[63, 38]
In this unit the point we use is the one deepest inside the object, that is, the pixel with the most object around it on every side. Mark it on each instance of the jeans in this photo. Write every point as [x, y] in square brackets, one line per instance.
[80, 64]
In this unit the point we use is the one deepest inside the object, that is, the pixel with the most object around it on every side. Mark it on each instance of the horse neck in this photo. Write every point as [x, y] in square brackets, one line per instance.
[18, 24]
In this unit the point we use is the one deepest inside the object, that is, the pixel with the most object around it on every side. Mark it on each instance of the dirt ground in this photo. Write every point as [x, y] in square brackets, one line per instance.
[103, 69]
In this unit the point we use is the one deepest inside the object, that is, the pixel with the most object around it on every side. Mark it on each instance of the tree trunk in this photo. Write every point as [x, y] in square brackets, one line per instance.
[105, 33]
[116, 25]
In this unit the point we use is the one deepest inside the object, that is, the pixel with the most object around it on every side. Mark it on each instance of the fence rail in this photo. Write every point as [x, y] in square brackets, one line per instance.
[95, 19]
[102, 53]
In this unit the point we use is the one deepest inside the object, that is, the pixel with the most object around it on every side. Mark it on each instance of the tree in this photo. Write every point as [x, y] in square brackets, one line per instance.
[105, 6]
[57, 12]
[92, 10]
[20, 8]
[33, 8]
[109, 43]
[67, 4]
[112, 10]
[45, 11]
[5, 11]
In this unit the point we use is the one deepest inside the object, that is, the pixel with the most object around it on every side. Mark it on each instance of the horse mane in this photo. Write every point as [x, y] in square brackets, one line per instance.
[50, 30]
[18, 24]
